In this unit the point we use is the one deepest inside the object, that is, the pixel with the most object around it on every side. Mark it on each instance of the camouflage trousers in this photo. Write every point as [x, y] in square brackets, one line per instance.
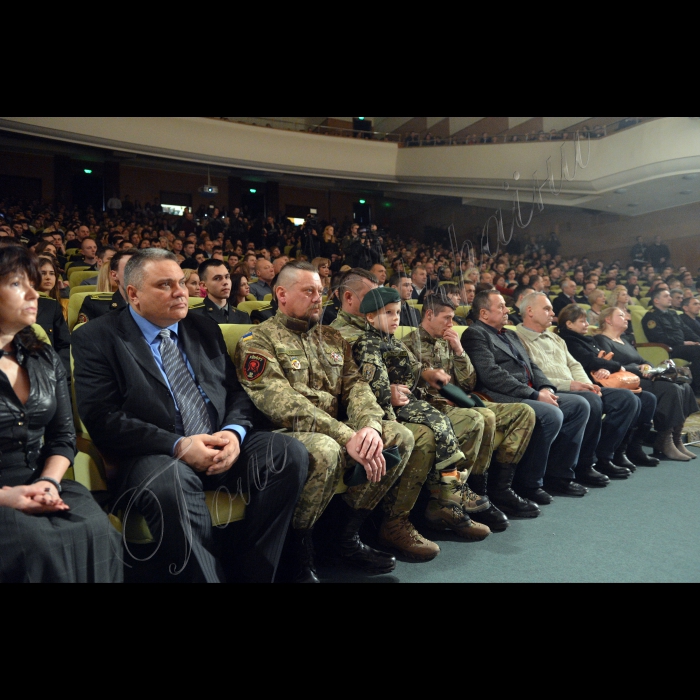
[477, 429]
[447, 448]
[402, 498]
[327, 468]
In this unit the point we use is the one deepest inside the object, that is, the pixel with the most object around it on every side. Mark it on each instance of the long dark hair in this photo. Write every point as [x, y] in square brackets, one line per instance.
[17, 259]
[236, 285]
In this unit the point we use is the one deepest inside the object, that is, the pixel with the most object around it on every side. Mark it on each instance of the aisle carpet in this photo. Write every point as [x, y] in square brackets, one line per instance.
[645, 530]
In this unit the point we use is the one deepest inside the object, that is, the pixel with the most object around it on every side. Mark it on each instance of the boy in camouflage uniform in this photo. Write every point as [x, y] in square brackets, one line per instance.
[437, 346]
[384, 361]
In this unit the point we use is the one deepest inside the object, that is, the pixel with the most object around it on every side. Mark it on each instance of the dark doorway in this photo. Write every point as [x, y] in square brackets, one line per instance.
[254, 204]
[362, 213]
[88, 191]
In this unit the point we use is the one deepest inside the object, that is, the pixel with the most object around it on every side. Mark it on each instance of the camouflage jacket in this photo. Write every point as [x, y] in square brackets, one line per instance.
[437, 354]
[384, 361]
[352, 328]
[305, 379]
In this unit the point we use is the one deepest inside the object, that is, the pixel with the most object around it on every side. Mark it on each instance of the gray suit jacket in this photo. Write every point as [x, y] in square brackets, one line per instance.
[500, 375]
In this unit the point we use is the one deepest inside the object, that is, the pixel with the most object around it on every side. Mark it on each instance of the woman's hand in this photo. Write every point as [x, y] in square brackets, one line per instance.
[601, 375]
[38, 499]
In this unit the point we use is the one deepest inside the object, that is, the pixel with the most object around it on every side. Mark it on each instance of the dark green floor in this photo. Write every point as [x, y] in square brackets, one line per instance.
[645, 530]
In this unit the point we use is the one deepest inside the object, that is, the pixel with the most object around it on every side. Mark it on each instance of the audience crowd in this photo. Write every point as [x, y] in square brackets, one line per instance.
[374, 366]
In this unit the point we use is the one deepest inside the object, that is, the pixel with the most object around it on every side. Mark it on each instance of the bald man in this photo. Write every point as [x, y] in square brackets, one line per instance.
[379, 271]
[265, 271]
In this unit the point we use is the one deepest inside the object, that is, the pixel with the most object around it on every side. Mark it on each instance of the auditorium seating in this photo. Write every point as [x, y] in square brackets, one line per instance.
[77, 277]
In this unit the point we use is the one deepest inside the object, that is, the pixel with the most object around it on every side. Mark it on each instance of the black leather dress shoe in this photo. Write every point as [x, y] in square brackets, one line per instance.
[538, 496]
[591, 477]
[609, 469]
[622, 460]
[565, 487]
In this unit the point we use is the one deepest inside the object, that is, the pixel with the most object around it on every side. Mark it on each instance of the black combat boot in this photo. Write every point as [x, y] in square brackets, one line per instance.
[636, 452]
[493, 518]
[304, 555]
[503, 497]
[621, 458]
[352, 550]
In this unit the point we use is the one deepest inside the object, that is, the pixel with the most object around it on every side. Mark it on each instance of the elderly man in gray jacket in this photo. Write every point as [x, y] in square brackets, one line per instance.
[506, 374]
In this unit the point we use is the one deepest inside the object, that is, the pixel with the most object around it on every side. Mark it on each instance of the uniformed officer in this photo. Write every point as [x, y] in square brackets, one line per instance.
[438, 346]
[302, 377]
[50, 317]
[97, 305]
[663, 325]
[215, 278]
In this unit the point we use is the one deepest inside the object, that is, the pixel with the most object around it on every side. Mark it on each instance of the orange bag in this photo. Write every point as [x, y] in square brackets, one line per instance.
[622, 380]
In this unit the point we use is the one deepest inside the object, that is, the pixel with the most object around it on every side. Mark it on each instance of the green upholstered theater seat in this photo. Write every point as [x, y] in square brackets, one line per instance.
[89, 288]
[77, 277]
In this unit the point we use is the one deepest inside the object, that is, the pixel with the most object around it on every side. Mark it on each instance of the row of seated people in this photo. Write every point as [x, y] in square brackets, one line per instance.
[176, 419]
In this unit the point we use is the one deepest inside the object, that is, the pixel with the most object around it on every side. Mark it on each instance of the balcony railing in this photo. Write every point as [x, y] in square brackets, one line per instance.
[417, 140]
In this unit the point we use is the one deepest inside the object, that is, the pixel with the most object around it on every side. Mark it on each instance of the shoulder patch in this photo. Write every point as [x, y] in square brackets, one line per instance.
[82, 318]
[651, 325]
[254, 367]
[369, 372]
[246, 338]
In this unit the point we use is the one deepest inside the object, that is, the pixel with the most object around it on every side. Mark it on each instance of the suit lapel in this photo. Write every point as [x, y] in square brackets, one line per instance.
[137, 346]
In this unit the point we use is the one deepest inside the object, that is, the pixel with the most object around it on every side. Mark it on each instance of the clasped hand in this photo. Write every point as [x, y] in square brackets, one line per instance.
[211, 455]
[37, 499]
[366, 447]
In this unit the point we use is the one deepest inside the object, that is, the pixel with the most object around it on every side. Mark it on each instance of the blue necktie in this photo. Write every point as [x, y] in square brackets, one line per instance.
[193, 409]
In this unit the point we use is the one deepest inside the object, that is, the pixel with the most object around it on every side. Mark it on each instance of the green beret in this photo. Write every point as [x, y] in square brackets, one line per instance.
[379, 298]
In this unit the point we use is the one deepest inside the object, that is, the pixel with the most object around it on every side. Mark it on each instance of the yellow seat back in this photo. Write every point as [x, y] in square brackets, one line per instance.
[247, 307]
[89, 288]
[74, 306]
[232, 335]
[77, 277]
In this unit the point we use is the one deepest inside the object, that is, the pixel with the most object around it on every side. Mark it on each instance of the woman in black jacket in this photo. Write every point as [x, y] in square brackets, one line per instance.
[573, 326]
[50, 531]
[674, 402]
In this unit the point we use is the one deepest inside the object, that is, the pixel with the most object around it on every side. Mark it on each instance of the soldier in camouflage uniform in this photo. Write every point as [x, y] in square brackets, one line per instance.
[384, 361]
[302, 377]
[397, 532]
[437, 346]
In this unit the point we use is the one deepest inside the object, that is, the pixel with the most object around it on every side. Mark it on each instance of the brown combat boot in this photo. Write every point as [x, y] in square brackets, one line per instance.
[451, 517]
[400, 536]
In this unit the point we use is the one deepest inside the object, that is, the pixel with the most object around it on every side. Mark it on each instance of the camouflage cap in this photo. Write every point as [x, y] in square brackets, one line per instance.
[379, 298]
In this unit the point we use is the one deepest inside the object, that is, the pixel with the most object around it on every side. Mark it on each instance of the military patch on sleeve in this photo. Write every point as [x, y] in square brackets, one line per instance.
[369, 372]
[337, 357]
[254, 367]
[82, 318]
[651, 325]
[246, 337]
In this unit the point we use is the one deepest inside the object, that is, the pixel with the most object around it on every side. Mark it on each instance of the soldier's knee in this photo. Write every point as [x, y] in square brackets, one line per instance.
[423, 436]
[397, 435]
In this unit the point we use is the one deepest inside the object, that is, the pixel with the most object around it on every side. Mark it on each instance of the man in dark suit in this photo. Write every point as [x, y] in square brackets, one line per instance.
[215, 278]
[689, 319]
[505, 374]
[403, 283]
[161, 399]
[567, 296]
